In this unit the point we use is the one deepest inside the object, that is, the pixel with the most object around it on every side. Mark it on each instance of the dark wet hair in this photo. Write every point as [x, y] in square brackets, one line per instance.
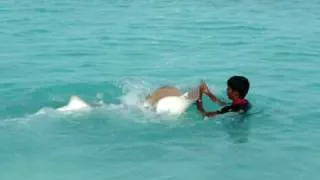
[239, 84]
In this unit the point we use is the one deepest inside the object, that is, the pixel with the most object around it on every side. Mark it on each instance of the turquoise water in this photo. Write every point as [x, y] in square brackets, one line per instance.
[111, 53]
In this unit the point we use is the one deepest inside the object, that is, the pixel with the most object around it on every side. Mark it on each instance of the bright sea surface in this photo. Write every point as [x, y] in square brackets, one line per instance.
[111, 53]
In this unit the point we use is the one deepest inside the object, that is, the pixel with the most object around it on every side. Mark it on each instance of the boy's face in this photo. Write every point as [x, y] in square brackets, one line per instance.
[231, 93]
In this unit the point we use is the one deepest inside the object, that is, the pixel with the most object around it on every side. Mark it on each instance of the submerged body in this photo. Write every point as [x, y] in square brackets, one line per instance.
[170, 100]
[164, 100]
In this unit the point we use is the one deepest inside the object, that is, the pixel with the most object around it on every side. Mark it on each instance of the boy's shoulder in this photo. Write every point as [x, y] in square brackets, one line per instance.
[242, 104]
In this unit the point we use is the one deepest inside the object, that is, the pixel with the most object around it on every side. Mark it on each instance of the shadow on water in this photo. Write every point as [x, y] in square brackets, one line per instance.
[237, 126]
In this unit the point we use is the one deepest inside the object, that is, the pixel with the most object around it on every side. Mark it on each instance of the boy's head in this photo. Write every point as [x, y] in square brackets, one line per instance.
[238, 87]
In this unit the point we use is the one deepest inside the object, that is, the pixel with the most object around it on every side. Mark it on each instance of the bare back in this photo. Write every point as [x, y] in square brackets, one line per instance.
[162, 92]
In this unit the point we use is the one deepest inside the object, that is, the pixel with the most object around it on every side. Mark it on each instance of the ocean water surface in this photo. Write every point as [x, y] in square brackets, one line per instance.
[112, 53]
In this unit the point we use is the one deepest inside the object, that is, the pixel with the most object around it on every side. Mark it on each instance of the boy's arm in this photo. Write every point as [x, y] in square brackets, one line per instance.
[201, 109]
[215, 99]
[223, 110]
[205, 90]
[199, 103]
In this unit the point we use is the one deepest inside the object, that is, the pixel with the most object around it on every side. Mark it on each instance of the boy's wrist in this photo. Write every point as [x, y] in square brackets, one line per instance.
[209, 93]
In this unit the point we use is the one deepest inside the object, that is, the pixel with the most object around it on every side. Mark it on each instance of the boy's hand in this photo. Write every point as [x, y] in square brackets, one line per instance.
[204, 88]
